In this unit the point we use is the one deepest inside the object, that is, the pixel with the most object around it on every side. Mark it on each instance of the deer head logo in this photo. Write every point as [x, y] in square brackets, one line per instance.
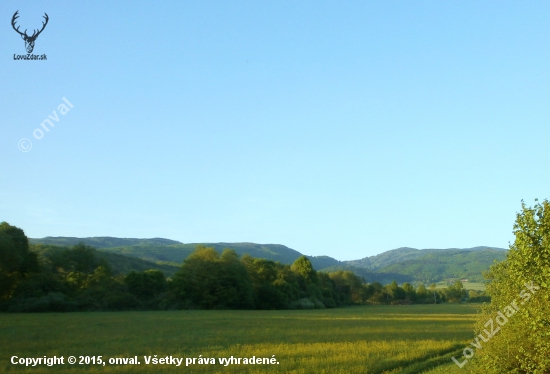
[29, 40]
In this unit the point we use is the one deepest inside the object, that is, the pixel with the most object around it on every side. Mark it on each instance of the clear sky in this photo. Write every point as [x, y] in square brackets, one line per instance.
[335, 128]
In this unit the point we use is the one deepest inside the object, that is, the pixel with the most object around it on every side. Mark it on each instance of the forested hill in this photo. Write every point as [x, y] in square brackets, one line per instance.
[427, 265]
[101, 242]
[454, 264]
[400, 255]
[171, 251]
[401, 264]
[120, 264]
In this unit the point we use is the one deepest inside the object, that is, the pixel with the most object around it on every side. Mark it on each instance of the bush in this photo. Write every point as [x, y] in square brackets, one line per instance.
[303, 303]
[52, 302]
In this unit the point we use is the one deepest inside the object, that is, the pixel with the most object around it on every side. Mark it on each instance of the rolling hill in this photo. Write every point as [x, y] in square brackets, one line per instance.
[120, 264]
[403, 254]
[102, 241]
[401, 264]
[172, 252]
[454, 264]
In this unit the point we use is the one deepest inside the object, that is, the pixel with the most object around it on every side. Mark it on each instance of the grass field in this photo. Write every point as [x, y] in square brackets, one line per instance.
[366, 339]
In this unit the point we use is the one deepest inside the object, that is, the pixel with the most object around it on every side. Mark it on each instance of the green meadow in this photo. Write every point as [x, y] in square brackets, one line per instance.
[362, 339]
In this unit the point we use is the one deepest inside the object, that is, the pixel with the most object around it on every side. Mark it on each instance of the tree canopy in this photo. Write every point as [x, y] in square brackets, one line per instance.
[35, 278]
[16, 260]
[519, 287]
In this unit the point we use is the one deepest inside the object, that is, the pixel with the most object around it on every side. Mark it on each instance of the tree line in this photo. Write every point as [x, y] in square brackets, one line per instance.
[49, 278]
[519, 341]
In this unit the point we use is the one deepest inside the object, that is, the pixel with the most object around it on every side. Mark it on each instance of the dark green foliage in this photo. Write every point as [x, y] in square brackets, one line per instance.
[369, 275]
[478, 296]
[523, 343]
[402, 264]
[118, 263]
[422, 293]
[146, 285]
[437, 266]
[209, 281]
[427, 265]
[456, 293]
[159, 254]
[303, 267]
[121, 264]
[170, 251]
[410, 292]
[395, 292]
[51, 302]
[16, 260]
[58, 278]
[101, 241]
[322, 262]
[47, 277]
[264, 274]
[349, 287]
[79, 259]
[401, 255]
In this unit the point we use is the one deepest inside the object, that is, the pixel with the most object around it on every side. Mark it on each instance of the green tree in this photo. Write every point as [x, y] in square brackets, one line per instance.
[433, 292]
[16, 260]
[395, 292]
[349, 287]
[377, 293]
[422, 293]
[235, 291]
[146, 285]
[209, 281]
[519, 290]
[76, 266]
[288, 282]
[456, 292]
[410, 292]
[304, 267]
[263, 274]
[197, 279]
[328, 289]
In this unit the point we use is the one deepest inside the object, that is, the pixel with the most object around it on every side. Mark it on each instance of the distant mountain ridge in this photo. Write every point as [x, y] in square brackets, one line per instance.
[401, 264]
[171, 251]
[101, 241]
[120, 264]
[393, 256]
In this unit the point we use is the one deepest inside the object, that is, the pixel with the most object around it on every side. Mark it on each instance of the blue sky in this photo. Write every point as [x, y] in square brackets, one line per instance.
[335, 128]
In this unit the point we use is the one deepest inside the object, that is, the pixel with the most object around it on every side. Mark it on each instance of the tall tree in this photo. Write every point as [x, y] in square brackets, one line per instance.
[16, 260]
[520, 300]
[304, 267]
[456, 292]
[145, 285]
[410, 292]
[422, 293]
[209, 281]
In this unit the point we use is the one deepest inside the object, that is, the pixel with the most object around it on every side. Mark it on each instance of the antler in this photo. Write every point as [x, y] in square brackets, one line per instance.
[35, 34]
[15, 16]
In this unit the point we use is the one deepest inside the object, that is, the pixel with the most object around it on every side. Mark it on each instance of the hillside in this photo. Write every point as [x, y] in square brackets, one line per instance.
[401, 255]
[120, 264]
[176, 253]
[453, 264]
[401, 264]
[160, 250]
[370, 276]
[101, 241]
